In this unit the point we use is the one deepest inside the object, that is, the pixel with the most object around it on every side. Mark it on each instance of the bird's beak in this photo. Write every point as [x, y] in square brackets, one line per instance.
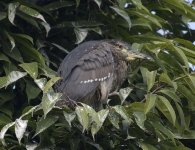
[132, 55]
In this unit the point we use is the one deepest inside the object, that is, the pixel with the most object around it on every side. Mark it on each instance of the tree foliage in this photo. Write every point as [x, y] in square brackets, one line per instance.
[154, 110]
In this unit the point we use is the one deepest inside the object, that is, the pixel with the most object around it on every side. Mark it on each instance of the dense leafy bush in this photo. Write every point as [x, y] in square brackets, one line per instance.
[154, 109]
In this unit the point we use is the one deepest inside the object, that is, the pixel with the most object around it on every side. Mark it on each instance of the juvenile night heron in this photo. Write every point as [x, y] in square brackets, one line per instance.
[93, 70]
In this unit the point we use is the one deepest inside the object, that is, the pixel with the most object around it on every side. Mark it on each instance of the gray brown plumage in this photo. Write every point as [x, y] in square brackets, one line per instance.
[92, 70]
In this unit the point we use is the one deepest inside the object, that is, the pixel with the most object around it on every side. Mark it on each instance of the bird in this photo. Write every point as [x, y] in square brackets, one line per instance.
[93, 70]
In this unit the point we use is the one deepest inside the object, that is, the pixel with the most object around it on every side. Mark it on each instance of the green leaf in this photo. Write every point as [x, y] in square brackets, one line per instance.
[57, 5]
[20, 128]
[32, 90]
[11, 39]
[81, 34]
[69, 117]
[146, 146]
[170, 93]
[43, 124]
[4, 58]
[29, 52]
[31, 12]
[123, 113]
[182, 57]
[98, 2]
[23, 36]
[60, 47]
[139, 5]
[50, 83]
[3, 15]
[41, 82]
[31, 69]
[4, 130]
[3, 81]
[12, 77]
[150, 102]
[166, 108]
[140, 118]
[48, 101]
[124, 93]
[165, 78]
[101, 116]
[181, 115]
[83, 117]
[114, 118]
[12, 11]
[148, 77]
[123, 14]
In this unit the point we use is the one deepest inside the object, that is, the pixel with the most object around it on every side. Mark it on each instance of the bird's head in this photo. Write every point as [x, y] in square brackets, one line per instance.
[126, 52]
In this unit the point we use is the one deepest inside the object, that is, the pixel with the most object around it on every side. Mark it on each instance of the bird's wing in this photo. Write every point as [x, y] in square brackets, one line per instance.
[93, 68]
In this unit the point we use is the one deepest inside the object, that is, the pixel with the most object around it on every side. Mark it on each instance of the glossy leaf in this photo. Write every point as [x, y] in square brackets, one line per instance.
[69, 117]
[12, 11]
[41, 82]
[20, 128]
[81, 34]
[124, 93]
[98, 2]
[31, 69]
[12, 77]
[83, 117]
[48, 101]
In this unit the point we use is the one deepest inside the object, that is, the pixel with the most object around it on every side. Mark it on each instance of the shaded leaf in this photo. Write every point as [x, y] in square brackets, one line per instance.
[59, 4]
[31, 12]
[4, 130]
[11, 39]
[166, 108]
[43, 124]
[146, 146]
[81, 34]
[123, 113]
[123, 14]
[32, 90]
